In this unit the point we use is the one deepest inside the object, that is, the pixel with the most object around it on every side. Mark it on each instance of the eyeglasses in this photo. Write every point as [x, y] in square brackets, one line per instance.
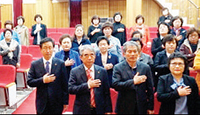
[175, 64]
[193, 36]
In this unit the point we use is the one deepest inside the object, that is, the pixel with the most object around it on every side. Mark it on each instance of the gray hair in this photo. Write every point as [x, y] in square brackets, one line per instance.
[130, 43]
[86, 47]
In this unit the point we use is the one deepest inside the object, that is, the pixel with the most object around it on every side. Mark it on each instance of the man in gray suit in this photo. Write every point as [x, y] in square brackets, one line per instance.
[133, 81]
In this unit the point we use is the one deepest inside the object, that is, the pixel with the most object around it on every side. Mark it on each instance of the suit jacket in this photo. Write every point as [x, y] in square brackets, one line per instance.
[167, 96]
[43, 33]
[78, 86]
[130, 94]
[112, 58]
[156, 46]
[56, 93]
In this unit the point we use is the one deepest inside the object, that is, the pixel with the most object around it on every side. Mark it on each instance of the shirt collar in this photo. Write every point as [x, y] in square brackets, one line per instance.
[50, 60]
[92, 68]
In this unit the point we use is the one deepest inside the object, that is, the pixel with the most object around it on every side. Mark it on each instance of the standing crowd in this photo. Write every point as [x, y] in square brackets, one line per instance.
[88, 65]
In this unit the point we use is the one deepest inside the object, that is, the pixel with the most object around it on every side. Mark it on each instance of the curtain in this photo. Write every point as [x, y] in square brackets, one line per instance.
[75, 12]
[17, 10]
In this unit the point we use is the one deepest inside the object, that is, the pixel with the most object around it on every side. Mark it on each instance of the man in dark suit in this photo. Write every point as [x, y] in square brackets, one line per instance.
[39, 30]
[133, 81]
[85, 88]
[50, 77]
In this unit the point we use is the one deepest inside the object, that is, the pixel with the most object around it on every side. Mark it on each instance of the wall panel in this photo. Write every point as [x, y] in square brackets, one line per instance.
[61, 15]
[29, 12]
[6, 13]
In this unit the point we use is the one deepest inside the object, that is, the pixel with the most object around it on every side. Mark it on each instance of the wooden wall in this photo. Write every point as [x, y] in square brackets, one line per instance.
[59, 16]
[6, 13]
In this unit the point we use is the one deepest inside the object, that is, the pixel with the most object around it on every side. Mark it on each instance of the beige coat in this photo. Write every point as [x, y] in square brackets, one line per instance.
[23, 34]
[196, 67]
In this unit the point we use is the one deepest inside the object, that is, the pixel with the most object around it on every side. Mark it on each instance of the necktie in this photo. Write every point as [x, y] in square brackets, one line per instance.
[47, 66]
[92, 100]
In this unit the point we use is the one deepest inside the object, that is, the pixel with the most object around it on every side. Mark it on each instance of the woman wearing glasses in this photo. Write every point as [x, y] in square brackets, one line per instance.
[177, 92]
[191, 45]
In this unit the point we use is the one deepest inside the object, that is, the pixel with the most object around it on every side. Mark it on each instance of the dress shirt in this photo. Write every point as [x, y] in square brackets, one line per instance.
[91, 72]
[50, 63]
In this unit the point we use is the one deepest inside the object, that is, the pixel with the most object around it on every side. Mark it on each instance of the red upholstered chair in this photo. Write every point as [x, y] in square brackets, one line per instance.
[24, 49]
[51, 30]
[113, 95]
[69, 31]
[156, 104]
[34, 50]
[25, 63]
[1, 61]
[7, 85]
[153, 29]
[56, 36]
[193, 73]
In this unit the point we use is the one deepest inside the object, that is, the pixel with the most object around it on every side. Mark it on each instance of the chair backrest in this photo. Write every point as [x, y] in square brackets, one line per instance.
[56, 36]
[51, 29]
[7, 74]
[1, 61]
[69, 31]
[34, 50]
[25, 61]
[156, 104]
[24, 49]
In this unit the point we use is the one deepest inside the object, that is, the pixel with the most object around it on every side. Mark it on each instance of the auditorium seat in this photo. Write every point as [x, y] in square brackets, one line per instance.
[193, 73]
[31, 40]
[7, 85]
[113, 95]
[153, 35]
[69, 31]
[34, 50]
[1, 61]
[51, 30]
[186, 27]
[24, 49]
[153, 29]
[56, 36]
[25, 63]
[156, 104]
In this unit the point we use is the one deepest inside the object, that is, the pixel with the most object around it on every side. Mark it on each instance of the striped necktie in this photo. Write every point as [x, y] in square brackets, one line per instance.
[92, 100]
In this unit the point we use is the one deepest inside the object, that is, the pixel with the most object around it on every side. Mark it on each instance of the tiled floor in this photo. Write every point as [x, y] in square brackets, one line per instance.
[22, 94]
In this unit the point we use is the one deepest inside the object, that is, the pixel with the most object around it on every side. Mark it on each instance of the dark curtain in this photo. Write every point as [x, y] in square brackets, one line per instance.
[75, 12]
[17, 10]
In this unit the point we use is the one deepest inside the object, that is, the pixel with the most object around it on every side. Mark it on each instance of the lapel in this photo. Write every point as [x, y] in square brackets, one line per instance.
[82, 73]
[96, 72]
[171, 81]
[53, 65]
[41, 66]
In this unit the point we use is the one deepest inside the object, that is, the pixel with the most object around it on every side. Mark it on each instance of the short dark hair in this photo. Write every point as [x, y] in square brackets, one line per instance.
[102, 38]
[136, 32]
[107, 24]
[137, 39]
[169, 37]
[164, 23]
[175, 18]
[95, 17]
[5, 30]
[117, 13]
[36, 16]
[191, 30]
[178, 55]
[165, 8]
[65, 36]
[8, 22]
[21, 17]
[47, 39]
[139, 16]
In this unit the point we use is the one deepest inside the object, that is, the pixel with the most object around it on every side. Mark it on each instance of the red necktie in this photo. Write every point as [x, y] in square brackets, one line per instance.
[92, 100]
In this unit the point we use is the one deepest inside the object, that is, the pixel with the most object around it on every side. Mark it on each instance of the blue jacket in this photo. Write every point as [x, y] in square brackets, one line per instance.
[72, 55]
[112, 58]
[75, 44]
[15, 37]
